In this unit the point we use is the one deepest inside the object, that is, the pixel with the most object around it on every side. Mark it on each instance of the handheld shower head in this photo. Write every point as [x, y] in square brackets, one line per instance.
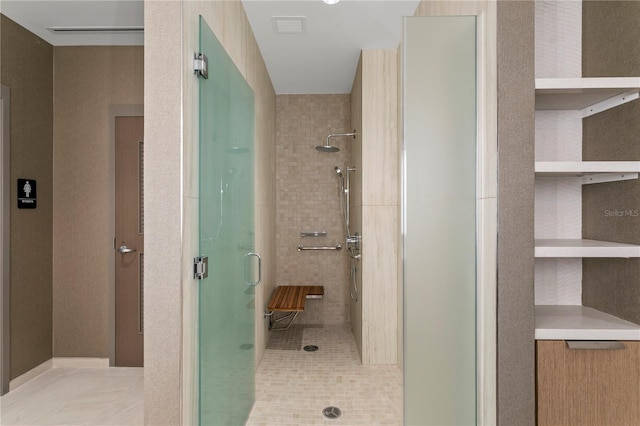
[338, 172]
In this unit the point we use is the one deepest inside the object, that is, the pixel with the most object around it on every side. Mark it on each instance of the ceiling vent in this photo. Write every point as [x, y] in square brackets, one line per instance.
[96, 29]
[289, 24]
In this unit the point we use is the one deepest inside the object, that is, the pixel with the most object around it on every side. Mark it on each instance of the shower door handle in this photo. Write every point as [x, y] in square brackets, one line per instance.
[246, 261]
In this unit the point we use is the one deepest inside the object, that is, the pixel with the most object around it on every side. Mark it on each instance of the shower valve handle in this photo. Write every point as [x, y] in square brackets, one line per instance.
[354, 240]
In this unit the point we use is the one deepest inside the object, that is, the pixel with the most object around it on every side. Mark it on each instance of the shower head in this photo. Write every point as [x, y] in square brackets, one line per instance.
[338, 172]
[327, 146]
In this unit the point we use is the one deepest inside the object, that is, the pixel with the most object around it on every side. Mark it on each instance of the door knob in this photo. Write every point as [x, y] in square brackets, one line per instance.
[124, 249]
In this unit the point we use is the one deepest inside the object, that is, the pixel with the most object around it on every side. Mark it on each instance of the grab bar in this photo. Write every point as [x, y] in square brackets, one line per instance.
[336, 247]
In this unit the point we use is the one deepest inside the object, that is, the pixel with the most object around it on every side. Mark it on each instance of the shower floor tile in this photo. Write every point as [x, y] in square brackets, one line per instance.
[294, 386]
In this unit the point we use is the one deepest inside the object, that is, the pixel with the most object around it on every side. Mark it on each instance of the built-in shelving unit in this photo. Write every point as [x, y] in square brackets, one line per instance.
[555, 322]
[589, 171]
[580, 168]
[584, 248]
[589, 96]
[581, 283]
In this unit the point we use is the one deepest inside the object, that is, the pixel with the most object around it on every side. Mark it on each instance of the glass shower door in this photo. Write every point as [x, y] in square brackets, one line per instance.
[226, 232]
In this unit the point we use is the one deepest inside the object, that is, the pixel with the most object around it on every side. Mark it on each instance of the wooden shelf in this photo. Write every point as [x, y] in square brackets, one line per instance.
[589, 95]
[562, 322]
[589, 171]
[584, 248]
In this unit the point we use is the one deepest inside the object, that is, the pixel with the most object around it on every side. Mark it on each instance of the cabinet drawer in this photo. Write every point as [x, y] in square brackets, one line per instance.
[587, 386]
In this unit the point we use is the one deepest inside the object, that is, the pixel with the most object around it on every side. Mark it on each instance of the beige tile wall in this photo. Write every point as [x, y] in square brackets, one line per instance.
[171, 38]
[307, 199]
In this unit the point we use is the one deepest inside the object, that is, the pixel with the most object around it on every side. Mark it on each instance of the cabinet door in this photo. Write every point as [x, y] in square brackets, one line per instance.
[588, 387]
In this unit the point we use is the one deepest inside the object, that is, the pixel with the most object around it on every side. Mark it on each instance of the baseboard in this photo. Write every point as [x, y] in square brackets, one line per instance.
[31, 374]
[78, 362]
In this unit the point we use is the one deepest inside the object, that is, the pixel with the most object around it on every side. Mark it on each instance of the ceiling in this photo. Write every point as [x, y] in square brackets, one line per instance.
[37, 16]
[322, 59]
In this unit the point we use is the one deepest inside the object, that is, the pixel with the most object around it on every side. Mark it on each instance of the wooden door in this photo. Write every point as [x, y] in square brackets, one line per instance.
[129, 242]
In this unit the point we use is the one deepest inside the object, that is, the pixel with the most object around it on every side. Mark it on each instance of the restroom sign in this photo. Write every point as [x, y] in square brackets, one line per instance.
[27, 194]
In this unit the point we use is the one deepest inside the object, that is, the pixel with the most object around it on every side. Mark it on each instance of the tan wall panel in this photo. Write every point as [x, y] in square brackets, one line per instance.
[27, 68]
[380, 173]
[381, 209]
[88, 80]
[516, 351]
[610, 211]
[610, 34]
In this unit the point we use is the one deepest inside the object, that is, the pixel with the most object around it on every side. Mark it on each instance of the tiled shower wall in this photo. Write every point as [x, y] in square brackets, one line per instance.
[307, 199]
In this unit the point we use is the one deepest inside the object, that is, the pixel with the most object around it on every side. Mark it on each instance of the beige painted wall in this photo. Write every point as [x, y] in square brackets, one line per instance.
[88, 81]
[171, 193]
[376, 205]
[27, 68]
[308, 200]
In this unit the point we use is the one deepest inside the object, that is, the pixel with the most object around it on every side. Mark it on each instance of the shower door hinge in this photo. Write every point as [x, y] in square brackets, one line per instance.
[200, 267]
[201, 65]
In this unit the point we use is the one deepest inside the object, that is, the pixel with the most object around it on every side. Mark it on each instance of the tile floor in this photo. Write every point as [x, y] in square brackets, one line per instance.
[293, 386]
[77, 396]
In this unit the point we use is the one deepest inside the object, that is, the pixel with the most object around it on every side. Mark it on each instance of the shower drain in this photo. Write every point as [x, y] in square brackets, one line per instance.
[331, 412]
[310, 348]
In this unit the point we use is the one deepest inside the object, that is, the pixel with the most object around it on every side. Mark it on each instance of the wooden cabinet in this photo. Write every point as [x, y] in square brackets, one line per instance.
[586, 386]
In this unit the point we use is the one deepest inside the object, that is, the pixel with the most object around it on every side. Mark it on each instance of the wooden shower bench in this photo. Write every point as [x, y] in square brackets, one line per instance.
[290, 299]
